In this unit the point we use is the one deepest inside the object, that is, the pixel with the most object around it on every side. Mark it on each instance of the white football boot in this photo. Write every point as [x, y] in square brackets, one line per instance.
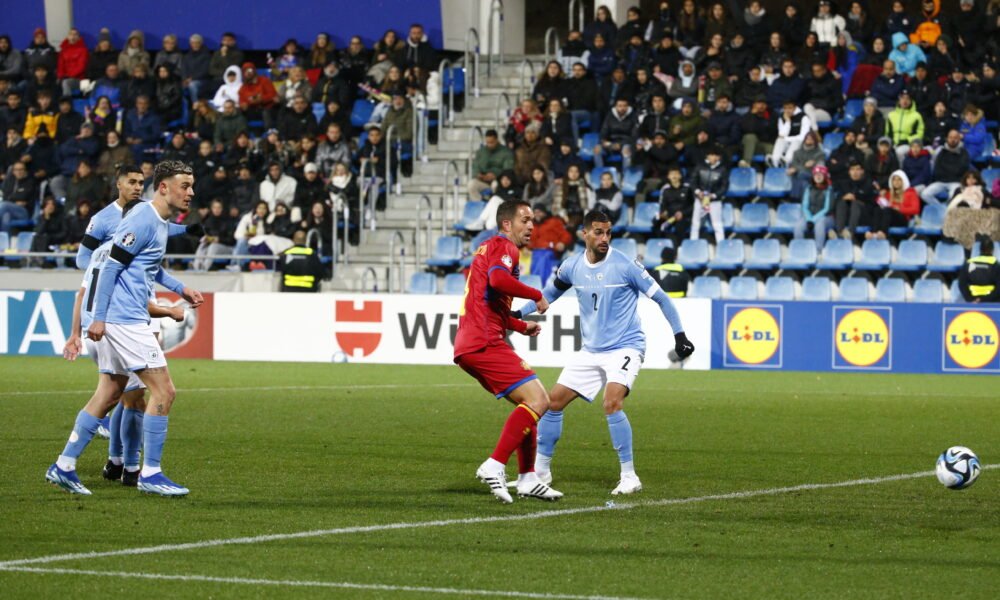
[629, 484]
[495, 477]
[531, 486]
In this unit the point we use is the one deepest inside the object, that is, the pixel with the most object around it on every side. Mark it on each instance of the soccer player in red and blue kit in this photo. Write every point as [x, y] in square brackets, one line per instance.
[481, 350]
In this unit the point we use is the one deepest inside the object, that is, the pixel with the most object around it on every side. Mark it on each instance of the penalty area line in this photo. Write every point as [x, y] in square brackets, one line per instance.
[346, 585]
[610, 506]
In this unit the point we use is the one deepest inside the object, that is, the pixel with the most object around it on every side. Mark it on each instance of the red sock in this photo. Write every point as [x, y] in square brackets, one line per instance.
[526, 452]
[521, 422]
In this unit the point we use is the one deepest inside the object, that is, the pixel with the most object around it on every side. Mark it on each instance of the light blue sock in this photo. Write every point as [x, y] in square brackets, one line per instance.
[115, 437]
[621, 436]
[131, 437]
[154, 435]
[83, 431]
[549, 432]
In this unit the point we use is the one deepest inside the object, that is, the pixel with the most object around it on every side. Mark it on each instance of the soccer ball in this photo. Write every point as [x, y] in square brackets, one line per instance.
[957, 468]
[339, 357]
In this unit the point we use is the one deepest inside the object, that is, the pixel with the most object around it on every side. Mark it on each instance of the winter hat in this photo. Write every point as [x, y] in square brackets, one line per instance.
[821, 169]
[38, 31]
[104, 35]
[311, 168]
[871, 100]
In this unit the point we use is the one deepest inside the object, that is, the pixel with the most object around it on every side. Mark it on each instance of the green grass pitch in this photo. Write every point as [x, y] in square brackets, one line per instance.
[285, 448]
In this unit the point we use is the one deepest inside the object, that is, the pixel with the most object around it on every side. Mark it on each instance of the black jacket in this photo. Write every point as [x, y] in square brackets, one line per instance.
[561, 129]
[652, 122]
[840, 160]
[582, 93]
[950, 165]
[334, 88]
[657, 161]
[711, 179]
[674, 200]
[766, 129]
[617, 129]
[825, 93]
[724, 127]
[293, 125]
[863, 190]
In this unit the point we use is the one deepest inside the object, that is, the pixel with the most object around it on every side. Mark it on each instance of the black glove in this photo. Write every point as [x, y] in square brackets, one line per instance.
[683, 346]
[516, 314]
[196, 230]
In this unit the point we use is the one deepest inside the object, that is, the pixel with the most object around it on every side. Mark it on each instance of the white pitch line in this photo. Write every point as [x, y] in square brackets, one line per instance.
[263, 388]
[259, 539]
[318, 584]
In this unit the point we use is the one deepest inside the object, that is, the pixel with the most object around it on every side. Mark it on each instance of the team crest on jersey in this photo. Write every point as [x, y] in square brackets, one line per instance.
[90, 226]
[525, 365]
[600, 276]
[153, 354]
[128, 240]
[507, 260]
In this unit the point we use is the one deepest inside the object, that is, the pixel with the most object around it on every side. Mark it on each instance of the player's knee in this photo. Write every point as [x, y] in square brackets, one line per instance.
[613, 405]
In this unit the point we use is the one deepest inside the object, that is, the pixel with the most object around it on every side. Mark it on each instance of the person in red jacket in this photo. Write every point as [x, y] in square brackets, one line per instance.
[258, 98]
[72, 65]
[896, 206]
[548, 241]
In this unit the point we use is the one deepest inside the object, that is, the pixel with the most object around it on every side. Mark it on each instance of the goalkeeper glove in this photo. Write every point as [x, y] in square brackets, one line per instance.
[683, 346]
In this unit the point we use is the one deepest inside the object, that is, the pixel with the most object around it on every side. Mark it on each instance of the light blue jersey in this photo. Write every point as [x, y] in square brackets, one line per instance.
[90, 277]
[102, 227]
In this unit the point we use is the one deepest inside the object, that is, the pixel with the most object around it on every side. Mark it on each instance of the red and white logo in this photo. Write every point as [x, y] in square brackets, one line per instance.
[359, 326]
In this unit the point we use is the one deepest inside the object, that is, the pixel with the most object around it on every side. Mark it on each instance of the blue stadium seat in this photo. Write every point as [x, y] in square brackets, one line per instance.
[630, 181]
[742, 288]
[654, 248]
[754, 218]
[928, 290]
[948, 257]
[777, 183]
[728, 219]
[423, 283]
[765, 254]
[984, 157]
[729, 255]
[831, 141]
[852, 110]
[837, 254]
[4, 241]
[626, 246]
[454, 284]
[910, 256]
[361, 112]
[473, 209]
[890, 290]
[22, 243]
[642, 222]
[989, 176]
[456, 77]
[854, 289]
[742, 183]
[707, 286]
[447, 252]
[817, 289]
[779, 288]
[788, 215]
[693, 254]
[532, 281]
[477, 241]
[931, 220]
[80, 105]
[802, 256]
[875, 256]
[954, 294]
[587, 143]
[319, 110]
[621, 225]
[594, 177]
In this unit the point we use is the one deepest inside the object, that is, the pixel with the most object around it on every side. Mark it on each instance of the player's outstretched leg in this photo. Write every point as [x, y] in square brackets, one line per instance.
[621, 438]
[154, 433]
[550, 430]
[113, 469]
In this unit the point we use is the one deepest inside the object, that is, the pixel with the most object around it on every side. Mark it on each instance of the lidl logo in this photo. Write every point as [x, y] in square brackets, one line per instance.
[753, 336]
[971, 340]
[862, 338]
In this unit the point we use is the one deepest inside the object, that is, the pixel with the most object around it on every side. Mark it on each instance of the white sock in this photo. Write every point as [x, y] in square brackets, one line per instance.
[131, 468]
[149, 471]
[628, 468]
[116, 460]
[66, 463]
[543, 463]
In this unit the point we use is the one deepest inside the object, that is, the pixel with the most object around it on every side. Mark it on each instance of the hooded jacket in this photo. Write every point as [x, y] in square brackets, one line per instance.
[619, 129]
[228, 91]
[684, 86]
[72, 60]
[909, 206]
[129, 58]
[904, 125]
[906, 60]
[929, 30]
[685, 129]
[974, 135]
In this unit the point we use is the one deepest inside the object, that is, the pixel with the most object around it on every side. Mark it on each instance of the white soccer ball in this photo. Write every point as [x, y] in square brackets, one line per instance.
[958, 468]
[339, 357]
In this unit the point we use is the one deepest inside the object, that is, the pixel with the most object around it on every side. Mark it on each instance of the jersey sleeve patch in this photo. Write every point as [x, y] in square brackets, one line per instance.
[507, 261]
[128, 240]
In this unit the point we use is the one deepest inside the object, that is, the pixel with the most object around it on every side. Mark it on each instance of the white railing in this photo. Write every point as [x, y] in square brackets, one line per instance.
[474, 53]
[531, 81]
[364, 279]
[496, 8]
[452, 166]
[397, 271]
[474, 135]
[579, 6]
[502, 120]
[424, 200]
[389, 183]
[553, 35]
[449, 112]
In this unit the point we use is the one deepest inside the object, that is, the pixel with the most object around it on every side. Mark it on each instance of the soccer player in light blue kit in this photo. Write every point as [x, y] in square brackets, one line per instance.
[121, 326]
[608, 285]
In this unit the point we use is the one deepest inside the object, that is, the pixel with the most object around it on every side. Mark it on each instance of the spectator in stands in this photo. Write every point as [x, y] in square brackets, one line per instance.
[246, 192]
[817, 202]
[203, 119]
[104, 54]
[250, 225]
[887, 86]
[417, 52]
[842, 157]
[716, 84]
[967, 28]
[290, 58]
[243, 152]
[218, 239]
[41, 116]
[354, 61]
[617, 134]
[812, 52]
[230, 88]
[226, 56]
[14, 148]
[690, 28]
[524, 115]
[400, 116]
[607, 197]
[979, 278]
[142, 128]
[804, 161]
[827, 24]
[574, 51]
[531, 152]
[685, 85]
[557, 124]
[299, 121]
[656, 159]
[710, 182]
[859, 23]
[69, 121]
[41, 156]
[877, 53]
[602, 25]
[905, 55]
[194, 67]
[870, 124]
[228, 126]
[20, 192]
[336, 114]
[258, 97]
[924, 91]
[823, 96]
[321, 53]
[332, 86]
[43, 81]
[633, 25]
[50, 228]
[563, 158]
[774, 54]
[277, 186]
[929, 30]
[343, 188]
[111, 86]
[549, 240]
[15, 113]
[635, 54]
[973, 130]
[676, 206]
[550, 84]
[83, 147]
[573, 196]
[40, 52]
[950, 165]
[539, 189]
[898, 20]
[114, 153]
[141, 84]
[309, 190]
[602, 60]
[178, 148]
[759, 132]
[711, 53]
[77, 223]
[685, 125]
[274, 149]
[670, 275]
[296, 84]
[666, 56]
[882, 163]
[917, 166]
[319, 220]
[490, 160]
[11, 61]
[904, 124]
[793, 126]
[134, 53]
[739, 58]
[724, 126]
[72, 63]
[897, 204]
[941, 61]
[85, 186]
[333, 150]
[971, 194]
[169, 93]
[855, 203]
[847, 55]
[787, 87]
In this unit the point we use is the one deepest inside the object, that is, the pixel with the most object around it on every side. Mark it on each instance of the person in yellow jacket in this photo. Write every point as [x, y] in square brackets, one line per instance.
[904, 124]
[979, 279]
[300, 267]
[670, 275]
[41, 115]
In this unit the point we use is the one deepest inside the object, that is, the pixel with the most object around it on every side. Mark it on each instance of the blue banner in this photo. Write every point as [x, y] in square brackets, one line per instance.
[35, 323]
[829, 336]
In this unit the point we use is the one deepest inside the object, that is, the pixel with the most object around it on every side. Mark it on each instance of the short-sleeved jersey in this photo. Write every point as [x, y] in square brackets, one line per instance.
[608, 293]
[482, 319]
[143, 234]
[90, 279]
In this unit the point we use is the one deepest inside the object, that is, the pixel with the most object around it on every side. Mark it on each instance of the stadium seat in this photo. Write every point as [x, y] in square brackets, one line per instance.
[729, 255]
[80, 105]
[477, 241]
[853, 289]
[837, 254]
[423, 283]
[802, 256]
[319, 110]
[955, 294]
[642, 222]
[707, 286]
[473, 209]
[948, 258]
[931, 220]
[654, 248]
[817, 289]
[765, 254]
[630, 181]
[693, 254]
[742, 183]
[989, 176]
[754, 218]
[742, 288]
[532, 281]
[852, 110]
[728, 219]
[587, 143]
[831, 141]
[447, 252]
[361, 112]
[4, 241]
[777, 183]
[455, 77]
[911, 255]
[875, 256]
[454, 284]
[890, 290]
[928, 290]
[626, 246]
[786, 218]
[779, 288]
[23, 241]
[594, 177]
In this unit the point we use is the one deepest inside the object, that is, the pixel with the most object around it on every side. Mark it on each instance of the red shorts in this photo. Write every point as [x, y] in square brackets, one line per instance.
[497, 368]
